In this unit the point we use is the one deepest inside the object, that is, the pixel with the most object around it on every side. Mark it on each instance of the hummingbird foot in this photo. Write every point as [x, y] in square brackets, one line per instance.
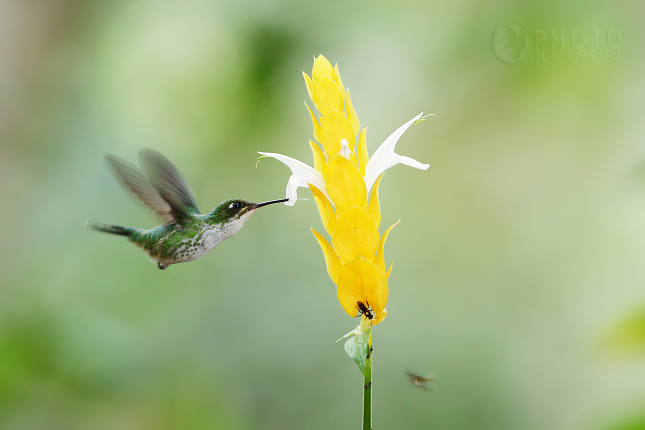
[162, 265]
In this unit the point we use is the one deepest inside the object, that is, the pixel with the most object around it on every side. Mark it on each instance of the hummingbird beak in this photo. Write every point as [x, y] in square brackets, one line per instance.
[255, 206]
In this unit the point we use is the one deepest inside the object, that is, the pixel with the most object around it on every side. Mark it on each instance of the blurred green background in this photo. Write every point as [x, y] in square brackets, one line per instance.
[519, 278]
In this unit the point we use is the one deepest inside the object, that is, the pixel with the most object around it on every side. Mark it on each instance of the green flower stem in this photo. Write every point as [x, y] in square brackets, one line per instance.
[367, 390]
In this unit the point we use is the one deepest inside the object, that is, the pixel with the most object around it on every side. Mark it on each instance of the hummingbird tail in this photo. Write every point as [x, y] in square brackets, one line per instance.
[109, 228]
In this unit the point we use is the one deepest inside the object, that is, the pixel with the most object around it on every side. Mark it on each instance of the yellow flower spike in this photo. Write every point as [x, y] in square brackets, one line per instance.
[360, 280]
[335, 128]
[328, 96]
[361, 152]
[310, 86]
[351, 116]
[345, 186]
[380, 256]
[331, 259]
[373, 208]
[322, 67]
[320, 163]
[342, 178]
[316, 124]
[356, 235]
[327, 214]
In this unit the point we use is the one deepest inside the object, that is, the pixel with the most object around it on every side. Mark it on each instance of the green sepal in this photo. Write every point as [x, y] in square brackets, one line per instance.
[356, 331]
[357, 348]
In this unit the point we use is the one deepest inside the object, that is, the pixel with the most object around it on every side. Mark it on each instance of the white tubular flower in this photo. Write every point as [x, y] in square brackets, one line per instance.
[385, 157]
[301, 176]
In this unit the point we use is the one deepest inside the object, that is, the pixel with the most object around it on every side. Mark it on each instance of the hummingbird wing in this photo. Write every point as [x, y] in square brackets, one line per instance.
[134, 179]
[168, 181]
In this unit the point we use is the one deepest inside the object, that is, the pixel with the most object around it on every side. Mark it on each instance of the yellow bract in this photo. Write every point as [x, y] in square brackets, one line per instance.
[362, 152]
[336, 128]
[327, 214]
[322, 67]
[379, 317]
[356, 235]
[387, 274]
[345, 185]
[310, 86]
[331, 259]
[320, 164]
[374, 208]
[380, 256]
[361, 280]
[337, 79]
[328, 96]
[351, 115]
[317, 129]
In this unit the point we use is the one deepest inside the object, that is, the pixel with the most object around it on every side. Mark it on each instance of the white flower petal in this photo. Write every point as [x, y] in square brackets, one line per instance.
[301, 176]
[292, 194]
[385, 157]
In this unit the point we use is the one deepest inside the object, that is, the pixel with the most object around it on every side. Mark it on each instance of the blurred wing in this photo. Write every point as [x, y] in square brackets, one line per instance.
[134, 179]
[419, 381]
[169, 183]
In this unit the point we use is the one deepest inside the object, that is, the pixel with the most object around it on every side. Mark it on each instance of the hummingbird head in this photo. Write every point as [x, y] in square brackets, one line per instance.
[237, 209]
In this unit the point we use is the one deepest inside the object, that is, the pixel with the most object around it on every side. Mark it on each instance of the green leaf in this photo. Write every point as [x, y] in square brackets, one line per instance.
[357, 348]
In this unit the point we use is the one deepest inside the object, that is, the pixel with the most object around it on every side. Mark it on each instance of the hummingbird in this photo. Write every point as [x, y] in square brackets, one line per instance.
[185, 234]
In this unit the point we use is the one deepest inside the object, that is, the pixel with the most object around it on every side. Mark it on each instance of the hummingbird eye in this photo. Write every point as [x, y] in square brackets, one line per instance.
[236, 205]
